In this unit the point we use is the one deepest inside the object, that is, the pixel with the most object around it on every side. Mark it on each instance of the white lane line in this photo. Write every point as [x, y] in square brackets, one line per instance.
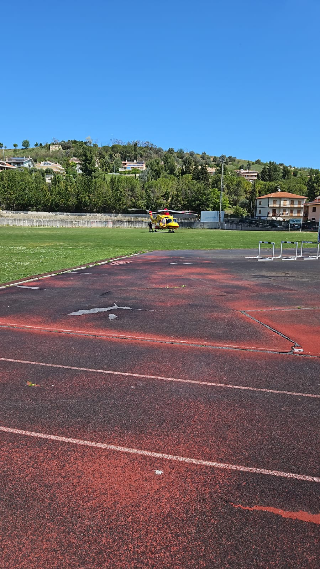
[29, 287]
[177, 341]
[159, 377]
[162, 456]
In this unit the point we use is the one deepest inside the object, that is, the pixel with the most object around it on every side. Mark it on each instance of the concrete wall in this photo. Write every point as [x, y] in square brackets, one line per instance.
[59, 219]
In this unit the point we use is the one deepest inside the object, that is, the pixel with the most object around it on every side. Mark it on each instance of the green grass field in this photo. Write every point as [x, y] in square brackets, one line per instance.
[26, 252]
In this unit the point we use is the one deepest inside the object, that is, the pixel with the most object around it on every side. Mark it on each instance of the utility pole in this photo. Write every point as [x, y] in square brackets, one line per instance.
[222, 160]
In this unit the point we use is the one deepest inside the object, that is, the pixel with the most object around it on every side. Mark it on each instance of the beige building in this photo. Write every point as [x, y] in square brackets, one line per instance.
[57, 168]
[250, 175]
[313, 210]
[129, 165]
[280, 205]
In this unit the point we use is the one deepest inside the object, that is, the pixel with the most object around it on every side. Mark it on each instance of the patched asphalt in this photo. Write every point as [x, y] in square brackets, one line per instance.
[199, 372]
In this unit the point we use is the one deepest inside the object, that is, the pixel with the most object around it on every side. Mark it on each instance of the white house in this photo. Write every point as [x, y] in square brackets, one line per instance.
[250, 175]
[21, 162]
[280, 205]
[129, 165]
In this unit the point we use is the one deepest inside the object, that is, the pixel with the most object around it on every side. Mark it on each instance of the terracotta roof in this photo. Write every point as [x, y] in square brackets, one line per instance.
[6, 165]
[282, 195]
[316, 201]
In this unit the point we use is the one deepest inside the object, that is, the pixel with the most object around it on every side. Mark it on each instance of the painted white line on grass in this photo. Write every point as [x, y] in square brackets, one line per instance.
[161, 378]
[64, 271]
[162, 456]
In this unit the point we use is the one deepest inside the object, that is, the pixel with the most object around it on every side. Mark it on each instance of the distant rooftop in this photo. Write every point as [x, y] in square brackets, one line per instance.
[281, 195]
[18, 159]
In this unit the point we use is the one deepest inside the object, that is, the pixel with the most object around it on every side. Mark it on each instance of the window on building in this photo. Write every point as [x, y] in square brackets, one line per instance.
[291, 202]
[274, 202]
[259, 211]
[299, 202]
[260, 202]
[291, 211]
[298, 211]
[314, 209]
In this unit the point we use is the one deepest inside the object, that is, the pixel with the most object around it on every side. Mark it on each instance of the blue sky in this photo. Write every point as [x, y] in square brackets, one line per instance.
[239, 78]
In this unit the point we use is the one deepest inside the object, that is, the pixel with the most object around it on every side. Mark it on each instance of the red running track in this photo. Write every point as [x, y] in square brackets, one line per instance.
[182, 432]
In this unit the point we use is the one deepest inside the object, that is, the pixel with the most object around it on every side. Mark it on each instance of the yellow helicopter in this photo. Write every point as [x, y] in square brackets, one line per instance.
[163, 219]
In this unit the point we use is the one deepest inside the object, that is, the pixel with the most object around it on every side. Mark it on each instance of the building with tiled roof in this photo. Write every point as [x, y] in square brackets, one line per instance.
[280, 205]
[6, 166]
[313, 210]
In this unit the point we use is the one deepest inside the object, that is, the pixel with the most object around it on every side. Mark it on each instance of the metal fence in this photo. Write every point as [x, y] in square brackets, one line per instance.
[268, 225]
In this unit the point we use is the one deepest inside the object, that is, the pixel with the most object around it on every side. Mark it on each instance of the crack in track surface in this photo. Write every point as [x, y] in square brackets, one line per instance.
[245, 313]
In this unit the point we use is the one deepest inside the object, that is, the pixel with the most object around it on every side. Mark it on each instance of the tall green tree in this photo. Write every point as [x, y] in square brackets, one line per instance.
[313, 184]
[251, 197]
[286, 173]
[187, 165]
[155, 169]
[169, 163]
[271, 172]
[87, 160]
[25, 144]
[201, 175]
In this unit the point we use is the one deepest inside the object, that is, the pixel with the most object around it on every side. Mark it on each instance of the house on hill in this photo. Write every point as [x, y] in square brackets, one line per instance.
[54, 166]
[250, 175]
[129, 165]
[77, 164]
[280, 205]
[55, 147]
[6, 166]
[21, 162]
[313, 210]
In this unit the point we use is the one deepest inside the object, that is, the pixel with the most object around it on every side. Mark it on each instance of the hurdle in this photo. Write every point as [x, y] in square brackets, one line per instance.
[290, 257]
[260, 257]
[310, 257]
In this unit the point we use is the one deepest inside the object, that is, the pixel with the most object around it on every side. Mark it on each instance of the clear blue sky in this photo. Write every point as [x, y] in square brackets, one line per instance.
[239, 78]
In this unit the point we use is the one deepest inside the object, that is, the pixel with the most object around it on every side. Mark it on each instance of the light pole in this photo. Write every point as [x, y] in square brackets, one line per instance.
[222, 160]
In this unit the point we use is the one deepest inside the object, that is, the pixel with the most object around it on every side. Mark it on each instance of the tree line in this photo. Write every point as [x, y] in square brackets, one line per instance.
[175, 179]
